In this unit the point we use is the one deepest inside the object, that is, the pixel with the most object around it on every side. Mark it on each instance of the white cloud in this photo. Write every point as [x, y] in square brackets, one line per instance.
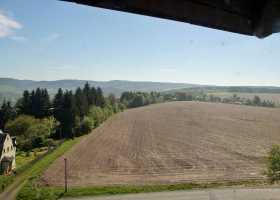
[7, 25]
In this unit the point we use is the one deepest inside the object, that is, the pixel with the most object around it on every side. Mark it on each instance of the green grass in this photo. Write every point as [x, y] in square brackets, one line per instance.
[35, 192]
[23, 161]
[5, 181]
[31, 190]
[125, 189]
[24, 158]
[44, 163]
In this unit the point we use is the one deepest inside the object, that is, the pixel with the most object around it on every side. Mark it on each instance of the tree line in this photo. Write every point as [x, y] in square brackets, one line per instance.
[136, 99]
[36, 119]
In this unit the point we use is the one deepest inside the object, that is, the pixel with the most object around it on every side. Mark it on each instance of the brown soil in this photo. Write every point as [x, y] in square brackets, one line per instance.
[173, 143]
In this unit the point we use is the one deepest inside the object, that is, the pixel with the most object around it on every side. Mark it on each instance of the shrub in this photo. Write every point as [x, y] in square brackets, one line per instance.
[273, 165]
[49, 143]
[20, 125]
[31, 132]
[37, 141]
[87, 125]
[96, 114]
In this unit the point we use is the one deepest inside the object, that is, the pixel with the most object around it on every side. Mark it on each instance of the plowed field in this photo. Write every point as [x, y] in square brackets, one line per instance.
[172, 143]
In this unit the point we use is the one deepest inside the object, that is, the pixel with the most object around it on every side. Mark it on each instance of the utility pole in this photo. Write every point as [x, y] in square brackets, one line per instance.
[65, 175]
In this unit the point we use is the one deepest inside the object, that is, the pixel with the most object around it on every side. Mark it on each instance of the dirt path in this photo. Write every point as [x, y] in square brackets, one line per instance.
[222, 194]
[11, 191]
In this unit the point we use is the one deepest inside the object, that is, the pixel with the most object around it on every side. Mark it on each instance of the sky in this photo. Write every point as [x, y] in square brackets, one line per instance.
[52, 40]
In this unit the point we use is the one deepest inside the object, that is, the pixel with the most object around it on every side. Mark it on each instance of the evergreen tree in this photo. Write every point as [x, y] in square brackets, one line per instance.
[40, 103]
[81, 102]
[7, 112]
[86, 92]
[100, 100]
[92, 96]
[24, 103]
[138, 101]
[68, 114]
[58, 105]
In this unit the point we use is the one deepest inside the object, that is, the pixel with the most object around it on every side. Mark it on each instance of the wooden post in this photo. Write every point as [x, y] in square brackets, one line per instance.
[65, 175]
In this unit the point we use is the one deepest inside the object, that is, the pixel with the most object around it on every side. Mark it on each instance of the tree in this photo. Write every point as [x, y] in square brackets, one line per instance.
[168, 97]
[92, 97]
[97, 115]
[65, 112]
[38, 133]
[37, 103]
[112, 99]
[58, 104]
[31, 132]
[257, 101]
[181, 96]
[7, 112]
[40, 103]
[100, 100]
[24, 104]
[273, 164]
[68, 119]
[137, 101]
[86, 125]
[20, 125]
[81, 103]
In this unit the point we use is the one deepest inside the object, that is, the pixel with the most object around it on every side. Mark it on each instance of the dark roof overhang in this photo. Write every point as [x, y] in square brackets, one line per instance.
[260, 18]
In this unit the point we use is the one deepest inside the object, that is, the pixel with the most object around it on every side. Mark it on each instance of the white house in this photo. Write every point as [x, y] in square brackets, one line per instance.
[7, 153]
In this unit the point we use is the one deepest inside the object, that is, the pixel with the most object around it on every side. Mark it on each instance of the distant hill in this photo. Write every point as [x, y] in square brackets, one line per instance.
[12, 89]
[229, 89]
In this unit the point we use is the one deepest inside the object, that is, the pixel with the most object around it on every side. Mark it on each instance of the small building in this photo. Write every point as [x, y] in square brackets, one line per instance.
[7, 153]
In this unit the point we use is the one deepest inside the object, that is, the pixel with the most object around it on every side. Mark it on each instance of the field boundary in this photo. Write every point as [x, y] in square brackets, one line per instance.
[19, 172]
[52, 193]
[126, 189]
[33, 173]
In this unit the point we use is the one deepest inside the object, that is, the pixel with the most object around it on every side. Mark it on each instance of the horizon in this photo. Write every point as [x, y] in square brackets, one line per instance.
[75, 42]
[187, 83]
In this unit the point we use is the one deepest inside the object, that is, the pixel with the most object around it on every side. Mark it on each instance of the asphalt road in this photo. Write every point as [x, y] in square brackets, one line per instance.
[215, 194]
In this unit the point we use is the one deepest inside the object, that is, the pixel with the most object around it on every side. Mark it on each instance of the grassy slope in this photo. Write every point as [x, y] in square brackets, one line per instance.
[32, 191]
[5, 181]
[22, 162]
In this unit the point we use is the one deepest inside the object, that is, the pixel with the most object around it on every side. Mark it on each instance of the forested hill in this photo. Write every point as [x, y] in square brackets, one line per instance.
[11, 89]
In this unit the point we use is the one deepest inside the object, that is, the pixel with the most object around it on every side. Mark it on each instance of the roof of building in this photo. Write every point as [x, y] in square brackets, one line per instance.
[250, 17]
